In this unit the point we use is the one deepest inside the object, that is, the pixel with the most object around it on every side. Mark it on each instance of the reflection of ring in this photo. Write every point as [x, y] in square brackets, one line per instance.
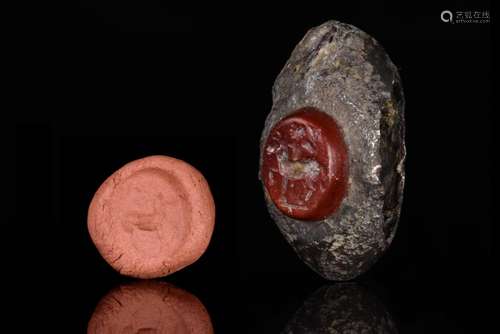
[449, 14]
[342, 308]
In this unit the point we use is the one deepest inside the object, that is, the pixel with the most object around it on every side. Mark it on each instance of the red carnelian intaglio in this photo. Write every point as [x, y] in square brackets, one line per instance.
[305, 165]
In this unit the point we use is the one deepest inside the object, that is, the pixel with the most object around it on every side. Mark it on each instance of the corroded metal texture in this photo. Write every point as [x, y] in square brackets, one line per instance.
[344, 308]
[346, 74]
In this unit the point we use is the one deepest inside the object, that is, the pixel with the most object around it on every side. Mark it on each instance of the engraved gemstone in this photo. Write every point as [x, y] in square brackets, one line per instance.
[305, 165]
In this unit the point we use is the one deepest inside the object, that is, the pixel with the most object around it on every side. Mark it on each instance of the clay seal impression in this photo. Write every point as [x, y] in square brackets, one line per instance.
[152, 217]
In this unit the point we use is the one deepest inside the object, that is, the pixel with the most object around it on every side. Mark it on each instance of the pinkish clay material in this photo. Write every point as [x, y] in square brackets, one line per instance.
[150, 307]
[152, 217]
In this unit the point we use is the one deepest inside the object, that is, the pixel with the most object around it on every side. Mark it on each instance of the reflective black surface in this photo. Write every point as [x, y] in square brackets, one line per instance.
[368, 306]
[93, 97]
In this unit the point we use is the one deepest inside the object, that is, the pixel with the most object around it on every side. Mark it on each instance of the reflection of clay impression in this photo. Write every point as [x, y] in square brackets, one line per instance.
[150, 307]
[152, 217]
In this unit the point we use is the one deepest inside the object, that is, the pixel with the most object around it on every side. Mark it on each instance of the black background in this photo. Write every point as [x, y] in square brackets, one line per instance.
[106, 84]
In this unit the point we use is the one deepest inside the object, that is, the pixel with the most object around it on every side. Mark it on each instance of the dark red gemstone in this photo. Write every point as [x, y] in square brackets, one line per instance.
[305, 165]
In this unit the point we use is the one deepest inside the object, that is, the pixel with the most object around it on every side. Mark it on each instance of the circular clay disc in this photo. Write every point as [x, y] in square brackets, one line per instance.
[150, 307]
[152, 217]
